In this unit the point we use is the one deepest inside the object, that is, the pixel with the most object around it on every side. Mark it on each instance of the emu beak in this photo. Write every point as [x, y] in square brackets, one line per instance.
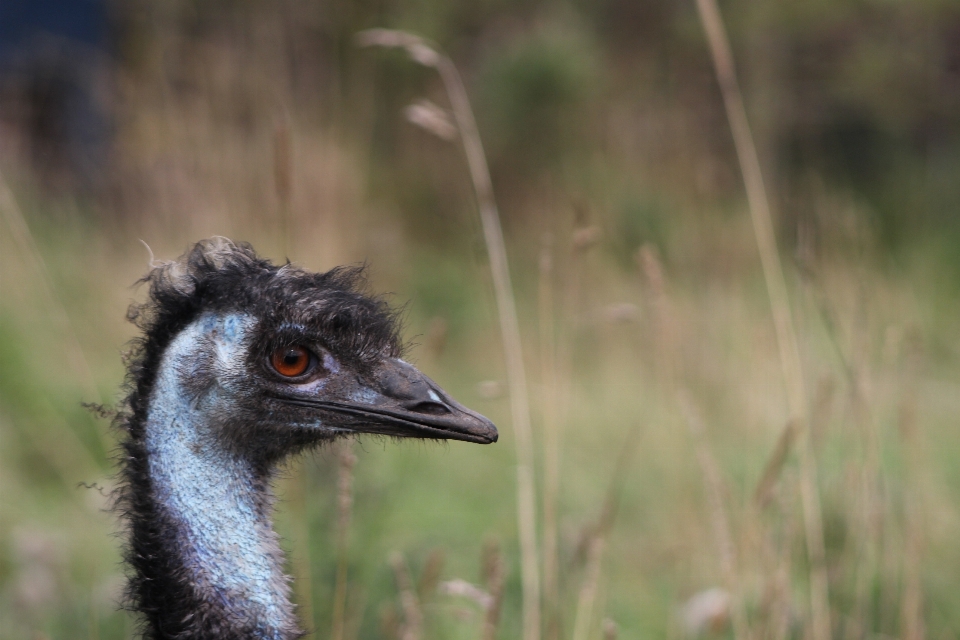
[402, 401]
[398, 400]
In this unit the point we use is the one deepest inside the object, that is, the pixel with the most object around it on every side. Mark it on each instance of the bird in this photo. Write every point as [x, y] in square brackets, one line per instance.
[239, 365]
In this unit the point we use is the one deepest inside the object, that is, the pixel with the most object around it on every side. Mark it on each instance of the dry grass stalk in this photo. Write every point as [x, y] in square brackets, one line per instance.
[551, 438]
[911, 604]
[569, 303]
[772, 542]
[771, 471]
[588, 590]
[464, 589]
[780, 304]
[594, 539]
[430, 576]
[776, 607]
[556, 357]
[354, 616]
[912, 626]
[668, 355]
[412, 626]
[432, 118]
[494, 577]
[346, 461]
[867, 512]
[720, 520]
[389, 622]
[426, 55]
[556, 408]
[759, 205]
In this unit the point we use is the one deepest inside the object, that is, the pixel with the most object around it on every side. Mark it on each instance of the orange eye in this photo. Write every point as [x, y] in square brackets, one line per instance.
[290, 361]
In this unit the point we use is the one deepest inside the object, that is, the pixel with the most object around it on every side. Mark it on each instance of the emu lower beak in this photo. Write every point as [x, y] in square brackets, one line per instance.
[398, 400]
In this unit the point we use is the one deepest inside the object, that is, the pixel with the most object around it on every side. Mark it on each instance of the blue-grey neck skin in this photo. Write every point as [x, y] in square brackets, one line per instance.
[218, 501]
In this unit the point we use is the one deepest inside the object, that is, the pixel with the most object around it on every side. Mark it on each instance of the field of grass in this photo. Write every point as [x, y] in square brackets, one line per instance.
[879, 355]
[660, 412]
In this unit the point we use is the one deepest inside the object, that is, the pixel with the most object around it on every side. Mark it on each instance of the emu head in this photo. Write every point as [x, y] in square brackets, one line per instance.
[277, 358]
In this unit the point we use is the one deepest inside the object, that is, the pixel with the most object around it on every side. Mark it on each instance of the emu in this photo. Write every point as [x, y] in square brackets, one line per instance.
[242, 363]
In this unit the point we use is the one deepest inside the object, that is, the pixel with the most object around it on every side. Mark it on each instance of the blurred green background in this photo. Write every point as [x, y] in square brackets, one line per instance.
[136, 123]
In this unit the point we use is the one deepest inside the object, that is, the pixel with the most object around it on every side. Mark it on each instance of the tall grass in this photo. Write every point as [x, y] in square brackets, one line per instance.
[780, 303]
[673, 359]
[422, 53]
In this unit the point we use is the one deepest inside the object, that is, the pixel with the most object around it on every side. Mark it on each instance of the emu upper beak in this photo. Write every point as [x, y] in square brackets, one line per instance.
[398, 400]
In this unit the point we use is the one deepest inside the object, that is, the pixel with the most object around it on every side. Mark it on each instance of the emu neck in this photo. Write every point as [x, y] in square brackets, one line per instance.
[215, 503]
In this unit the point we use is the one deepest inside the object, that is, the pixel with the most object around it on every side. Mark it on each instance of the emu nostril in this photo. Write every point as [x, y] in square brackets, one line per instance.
[432, 408]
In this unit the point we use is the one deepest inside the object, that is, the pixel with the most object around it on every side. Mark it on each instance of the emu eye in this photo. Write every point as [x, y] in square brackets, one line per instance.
[290, 362]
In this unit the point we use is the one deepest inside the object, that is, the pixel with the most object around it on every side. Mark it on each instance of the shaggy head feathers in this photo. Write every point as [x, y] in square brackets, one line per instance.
[221, 276]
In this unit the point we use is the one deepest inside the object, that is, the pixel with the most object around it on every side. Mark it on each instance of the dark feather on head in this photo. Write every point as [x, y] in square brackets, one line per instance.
[218, 275]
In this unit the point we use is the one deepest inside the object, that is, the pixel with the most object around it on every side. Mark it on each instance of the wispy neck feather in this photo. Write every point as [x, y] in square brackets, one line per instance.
[213, 504]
